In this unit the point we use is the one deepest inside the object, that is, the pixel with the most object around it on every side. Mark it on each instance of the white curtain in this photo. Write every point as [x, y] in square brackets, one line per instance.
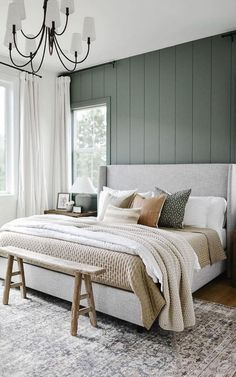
[32, 194]
[62, 138]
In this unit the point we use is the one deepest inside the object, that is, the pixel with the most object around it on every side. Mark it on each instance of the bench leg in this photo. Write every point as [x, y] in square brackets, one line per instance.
[22, 274]
[75, 305]
[91, 303]
[8, 280]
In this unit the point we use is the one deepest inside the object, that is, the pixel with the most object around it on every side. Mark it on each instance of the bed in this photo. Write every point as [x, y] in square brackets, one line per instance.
[204, 179]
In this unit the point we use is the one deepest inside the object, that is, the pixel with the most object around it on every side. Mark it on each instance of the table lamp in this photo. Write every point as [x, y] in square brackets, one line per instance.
[85, 194]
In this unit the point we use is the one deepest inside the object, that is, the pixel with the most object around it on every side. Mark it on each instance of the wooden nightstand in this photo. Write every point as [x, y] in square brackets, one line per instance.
[71, 214]
[233, 259]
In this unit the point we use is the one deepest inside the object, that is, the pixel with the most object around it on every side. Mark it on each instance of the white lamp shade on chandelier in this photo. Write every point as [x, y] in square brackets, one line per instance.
[21, 8]
[76, 43]
[89, 29]
[67, 4]
[53, 14]
[13, 17]
[48, 35]
[83, 185]
[30, 45]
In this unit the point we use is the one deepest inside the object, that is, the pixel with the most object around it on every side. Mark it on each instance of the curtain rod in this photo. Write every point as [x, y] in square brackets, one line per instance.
[20, 69]
[86, 69]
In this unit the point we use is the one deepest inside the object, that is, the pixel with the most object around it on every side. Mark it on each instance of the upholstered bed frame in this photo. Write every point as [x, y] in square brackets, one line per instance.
[203, 179]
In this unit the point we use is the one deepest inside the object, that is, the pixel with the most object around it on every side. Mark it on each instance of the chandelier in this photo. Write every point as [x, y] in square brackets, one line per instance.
[48, 34]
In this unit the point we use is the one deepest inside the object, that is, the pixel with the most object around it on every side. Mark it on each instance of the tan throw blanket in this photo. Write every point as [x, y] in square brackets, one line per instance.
[171, 253]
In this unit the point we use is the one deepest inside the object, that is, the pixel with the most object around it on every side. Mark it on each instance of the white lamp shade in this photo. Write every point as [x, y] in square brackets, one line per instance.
[13, 17]
[30, 45]
[76, 43]
[9, 38]
[67, 4]
[53, 14]
[89, 29]
[83, 185]
[21, 8]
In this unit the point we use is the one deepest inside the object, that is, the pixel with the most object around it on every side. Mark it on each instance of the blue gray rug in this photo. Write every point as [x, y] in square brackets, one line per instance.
[35, 341]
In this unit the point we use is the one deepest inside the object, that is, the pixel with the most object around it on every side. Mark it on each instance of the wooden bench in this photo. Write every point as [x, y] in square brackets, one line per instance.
[78, 270]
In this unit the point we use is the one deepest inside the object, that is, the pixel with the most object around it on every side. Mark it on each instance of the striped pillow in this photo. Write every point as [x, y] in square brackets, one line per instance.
[118, 215]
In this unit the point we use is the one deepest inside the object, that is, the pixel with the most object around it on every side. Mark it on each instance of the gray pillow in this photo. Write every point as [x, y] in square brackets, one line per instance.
[172, 214]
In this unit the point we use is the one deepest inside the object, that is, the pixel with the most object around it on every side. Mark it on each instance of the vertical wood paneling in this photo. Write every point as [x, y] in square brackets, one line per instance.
[123, 112]
[137, 141]
[85, 85]
[110, 91]
[201, 100]
[221, 93]
[98, 82]
[75, 88]
[152, 107]
[184, 111]
[167, 105]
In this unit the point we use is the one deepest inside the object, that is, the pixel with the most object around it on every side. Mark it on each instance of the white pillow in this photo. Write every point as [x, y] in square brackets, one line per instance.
[146, 195]
[217, 213]
[205, 212]
[196, 212]
[119, 192]
[106, 198]
[117, 215]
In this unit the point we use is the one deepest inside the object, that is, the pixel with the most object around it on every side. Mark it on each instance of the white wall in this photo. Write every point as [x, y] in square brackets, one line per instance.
[47, 109]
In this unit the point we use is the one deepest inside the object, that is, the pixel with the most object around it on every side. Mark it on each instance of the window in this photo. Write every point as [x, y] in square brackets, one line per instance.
[6, 142]
[90, 140]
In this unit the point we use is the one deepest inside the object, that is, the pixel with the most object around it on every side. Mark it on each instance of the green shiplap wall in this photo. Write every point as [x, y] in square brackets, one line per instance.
[176, 105]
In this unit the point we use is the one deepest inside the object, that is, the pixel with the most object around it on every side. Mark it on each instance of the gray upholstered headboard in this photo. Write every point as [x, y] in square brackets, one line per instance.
[203, 179]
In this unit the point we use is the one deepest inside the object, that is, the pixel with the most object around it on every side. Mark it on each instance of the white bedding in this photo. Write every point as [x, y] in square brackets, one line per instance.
[67, 228]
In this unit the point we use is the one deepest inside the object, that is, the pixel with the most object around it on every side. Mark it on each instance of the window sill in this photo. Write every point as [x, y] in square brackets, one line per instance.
[6, 194]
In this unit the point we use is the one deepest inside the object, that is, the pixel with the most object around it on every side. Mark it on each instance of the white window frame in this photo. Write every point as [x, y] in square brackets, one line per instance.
[11, 85]
[87, 104]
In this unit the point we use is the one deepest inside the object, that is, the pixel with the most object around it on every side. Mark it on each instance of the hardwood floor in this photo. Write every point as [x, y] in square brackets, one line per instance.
[219, 290]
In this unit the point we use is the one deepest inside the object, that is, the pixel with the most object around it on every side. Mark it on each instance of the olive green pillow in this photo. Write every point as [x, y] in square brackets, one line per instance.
[172, 214]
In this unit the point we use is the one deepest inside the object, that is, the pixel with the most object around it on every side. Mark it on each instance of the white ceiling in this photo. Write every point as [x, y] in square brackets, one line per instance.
[131, 27]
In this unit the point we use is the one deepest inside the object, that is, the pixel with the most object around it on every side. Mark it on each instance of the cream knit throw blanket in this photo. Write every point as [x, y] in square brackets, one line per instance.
[167, 256]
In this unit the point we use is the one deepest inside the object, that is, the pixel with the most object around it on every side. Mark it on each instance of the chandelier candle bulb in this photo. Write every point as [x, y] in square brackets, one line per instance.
[89, 29]
[13, 17]
[21, 8]
[53, 14]
[67, 4]
[76, 44]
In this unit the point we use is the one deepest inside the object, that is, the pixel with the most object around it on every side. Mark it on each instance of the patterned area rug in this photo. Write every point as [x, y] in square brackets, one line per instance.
[35, 341]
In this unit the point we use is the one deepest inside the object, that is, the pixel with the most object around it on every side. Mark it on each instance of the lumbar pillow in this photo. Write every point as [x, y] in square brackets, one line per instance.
[172, 214]
[116, 215]
[106, 198]
[150, 209]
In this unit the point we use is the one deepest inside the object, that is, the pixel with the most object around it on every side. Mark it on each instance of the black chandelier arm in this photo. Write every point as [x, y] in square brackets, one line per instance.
[43, 56]
[17, 65]
[75, 63]
[72, 61]
[34, 37]
[87, 54]
[35, 52]
[43, 24]
[62, 53]
[64, 29]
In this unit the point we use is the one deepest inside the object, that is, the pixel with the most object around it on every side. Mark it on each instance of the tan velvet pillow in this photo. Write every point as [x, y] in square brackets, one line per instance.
[150, 209]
